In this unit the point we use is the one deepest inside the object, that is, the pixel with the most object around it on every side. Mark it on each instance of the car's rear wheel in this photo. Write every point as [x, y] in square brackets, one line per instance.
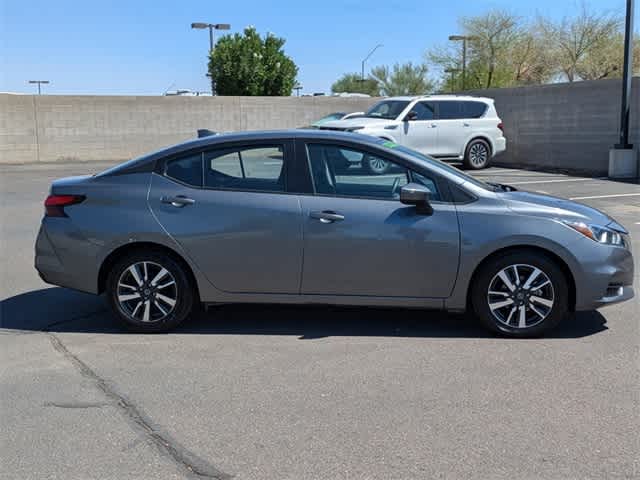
[375, 165]
[149, 292]
[477, 155]
[520, 294]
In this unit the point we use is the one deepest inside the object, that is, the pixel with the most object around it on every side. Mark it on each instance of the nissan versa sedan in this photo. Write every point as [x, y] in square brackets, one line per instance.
[266, 217]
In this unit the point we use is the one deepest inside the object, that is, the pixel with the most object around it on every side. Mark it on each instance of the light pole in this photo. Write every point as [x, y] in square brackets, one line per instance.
[464, 39]
[39, 82]
[623, 158]
[367, 58]
[297, 87]
[211, 27]
[453, 72]
[626, 78]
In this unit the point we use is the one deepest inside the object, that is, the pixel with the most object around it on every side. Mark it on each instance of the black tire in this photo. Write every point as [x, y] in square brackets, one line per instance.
[477, 155]
[121, 279]
[375, 165]
[526, 261]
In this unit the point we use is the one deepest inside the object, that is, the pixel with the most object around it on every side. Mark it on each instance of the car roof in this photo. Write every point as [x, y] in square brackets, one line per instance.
[254, 135]
[440, 97]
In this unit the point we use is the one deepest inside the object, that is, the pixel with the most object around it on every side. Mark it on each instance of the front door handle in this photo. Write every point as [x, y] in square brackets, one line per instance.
[327, 216]
[178, 201]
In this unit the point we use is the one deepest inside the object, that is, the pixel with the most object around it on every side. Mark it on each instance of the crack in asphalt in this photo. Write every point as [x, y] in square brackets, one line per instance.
[76, 404]
[194, 465]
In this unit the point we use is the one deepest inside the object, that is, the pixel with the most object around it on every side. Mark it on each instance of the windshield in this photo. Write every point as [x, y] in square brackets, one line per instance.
[388, 109]
[443, 166]
[330, 117]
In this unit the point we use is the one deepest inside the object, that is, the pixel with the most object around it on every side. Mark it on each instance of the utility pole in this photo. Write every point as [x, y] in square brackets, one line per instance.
[464, 39]
[39, 82]
[623, 158]
[367, 58]
[211, 27]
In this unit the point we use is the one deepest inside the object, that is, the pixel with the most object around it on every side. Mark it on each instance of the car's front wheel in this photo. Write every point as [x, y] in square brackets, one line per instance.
[149, 292]
[520, 294]
[477, 155]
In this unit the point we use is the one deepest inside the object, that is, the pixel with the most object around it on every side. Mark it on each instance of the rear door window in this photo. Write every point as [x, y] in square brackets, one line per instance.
[255, 168]
[450, 110]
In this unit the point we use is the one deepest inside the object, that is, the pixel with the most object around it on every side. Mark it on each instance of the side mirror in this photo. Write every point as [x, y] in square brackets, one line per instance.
[412, 115]
[418, 196]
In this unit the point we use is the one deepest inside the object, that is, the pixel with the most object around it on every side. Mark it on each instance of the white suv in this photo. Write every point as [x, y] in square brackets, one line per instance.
[443, 126]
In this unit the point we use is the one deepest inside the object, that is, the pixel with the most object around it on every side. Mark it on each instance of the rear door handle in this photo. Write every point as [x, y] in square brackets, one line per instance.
[178, 201]
[466, 124]
[434, 125]
[327, 216]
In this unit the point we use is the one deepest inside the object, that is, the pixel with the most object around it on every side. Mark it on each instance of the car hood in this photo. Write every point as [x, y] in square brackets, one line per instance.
[357, 122]
[536, 204]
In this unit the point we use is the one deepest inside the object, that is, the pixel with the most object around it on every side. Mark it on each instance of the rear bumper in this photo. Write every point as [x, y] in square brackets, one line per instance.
[64, 258]
[499, 145]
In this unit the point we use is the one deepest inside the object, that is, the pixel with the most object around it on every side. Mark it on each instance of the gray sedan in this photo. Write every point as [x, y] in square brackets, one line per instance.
[268, 217]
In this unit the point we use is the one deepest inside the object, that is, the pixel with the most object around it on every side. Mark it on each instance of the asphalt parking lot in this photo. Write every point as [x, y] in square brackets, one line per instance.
[265, 392]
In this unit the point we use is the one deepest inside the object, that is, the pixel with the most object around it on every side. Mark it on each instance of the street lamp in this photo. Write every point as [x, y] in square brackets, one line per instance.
[211, 27]
[39, 82]
[464, 39]
[453, 72]
[367, 58]
[623, 158]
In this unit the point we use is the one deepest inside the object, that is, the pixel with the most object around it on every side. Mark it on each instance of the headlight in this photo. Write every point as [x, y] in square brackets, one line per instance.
[598, 233]
[353, 129]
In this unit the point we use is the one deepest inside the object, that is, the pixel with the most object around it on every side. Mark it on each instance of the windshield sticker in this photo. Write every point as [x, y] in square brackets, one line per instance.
[389, 144]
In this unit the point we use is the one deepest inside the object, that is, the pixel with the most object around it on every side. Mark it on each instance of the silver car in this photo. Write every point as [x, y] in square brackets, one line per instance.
[266, 217]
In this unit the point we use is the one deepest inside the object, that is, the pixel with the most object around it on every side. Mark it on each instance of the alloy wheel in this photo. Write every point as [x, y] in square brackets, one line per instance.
[478, 154]
[520, 296]
[147, 292]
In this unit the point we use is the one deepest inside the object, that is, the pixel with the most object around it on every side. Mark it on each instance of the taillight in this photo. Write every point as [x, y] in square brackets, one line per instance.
[501, 126]
[54, 204]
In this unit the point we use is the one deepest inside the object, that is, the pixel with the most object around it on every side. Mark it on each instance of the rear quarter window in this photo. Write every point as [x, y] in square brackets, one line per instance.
[474, 109]
[186, 169]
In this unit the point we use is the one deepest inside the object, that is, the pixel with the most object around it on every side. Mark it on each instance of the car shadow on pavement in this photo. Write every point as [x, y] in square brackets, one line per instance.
[61, 310]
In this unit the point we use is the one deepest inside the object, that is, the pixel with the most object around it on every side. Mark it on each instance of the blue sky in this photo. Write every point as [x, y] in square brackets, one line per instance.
[144, 47]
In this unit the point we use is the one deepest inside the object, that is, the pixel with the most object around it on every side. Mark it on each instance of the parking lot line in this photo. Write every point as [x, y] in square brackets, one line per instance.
[532, 182]
[607, 196]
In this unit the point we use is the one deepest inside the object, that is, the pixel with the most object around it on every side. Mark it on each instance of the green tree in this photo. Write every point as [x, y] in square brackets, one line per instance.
[353, 83]
[588, 46]
[403, 79]
[502, 51]
[250, 65]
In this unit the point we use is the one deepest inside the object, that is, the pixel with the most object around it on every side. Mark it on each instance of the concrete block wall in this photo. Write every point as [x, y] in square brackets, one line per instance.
[562, 126]
[56, 128]
[568, 126]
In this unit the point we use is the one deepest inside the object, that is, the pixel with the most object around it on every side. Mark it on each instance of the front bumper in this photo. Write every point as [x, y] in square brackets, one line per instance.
[619, 294]
[607, 278]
